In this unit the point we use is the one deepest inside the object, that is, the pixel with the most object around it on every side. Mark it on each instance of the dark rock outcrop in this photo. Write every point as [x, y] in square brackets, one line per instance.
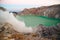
[49, 32]
[2, 8]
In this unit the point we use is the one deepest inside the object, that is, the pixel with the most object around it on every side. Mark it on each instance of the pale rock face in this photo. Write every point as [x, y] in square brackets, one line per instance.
[19, 26]
[57, 16]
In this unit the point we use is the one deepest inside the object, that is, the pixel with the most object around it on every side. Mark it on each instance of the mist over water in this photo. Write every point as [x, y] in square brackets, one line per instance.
[19, 26]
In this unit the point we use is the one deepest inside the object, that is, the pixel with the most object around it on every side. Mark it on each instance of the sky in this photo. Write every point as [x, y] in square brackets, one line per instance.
[21, 4]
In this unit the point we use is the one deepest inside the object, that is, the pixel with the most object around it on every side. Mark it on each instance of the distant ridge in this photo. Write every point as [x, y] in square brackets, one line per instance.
[52, 11]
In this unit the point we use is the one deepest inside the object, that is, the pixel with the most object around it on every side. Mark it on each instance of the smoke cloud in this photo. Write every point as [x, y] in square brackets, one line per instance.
[19, 26]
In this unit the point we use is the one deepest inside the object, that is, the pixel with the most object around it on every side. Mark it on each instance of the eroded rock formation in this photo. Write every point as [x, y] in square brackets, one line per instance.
[50, 11]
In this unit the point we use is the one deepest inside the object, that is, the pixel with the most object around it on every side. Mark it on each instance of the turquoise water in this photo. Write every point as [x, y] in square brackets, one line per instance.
[31, 20]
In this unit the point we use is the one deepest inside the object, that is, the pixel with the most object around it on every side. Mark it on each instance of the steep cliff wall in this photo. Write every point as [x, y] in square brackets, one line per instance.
[50, 11]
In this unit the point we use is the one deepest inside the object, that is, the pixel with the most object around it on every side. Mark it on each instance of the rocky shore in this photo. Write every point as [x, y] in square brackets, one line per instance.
[41, 33]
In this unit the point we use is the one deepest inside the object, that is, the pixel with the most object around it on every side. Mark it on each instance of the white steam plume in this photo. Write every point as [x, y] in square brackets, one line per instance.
[19, 26]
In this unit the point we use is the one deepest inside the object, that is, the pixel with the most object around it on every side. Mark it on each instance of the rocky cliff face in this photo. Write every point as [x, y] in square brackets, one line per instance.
[53, 11]
[50, 11]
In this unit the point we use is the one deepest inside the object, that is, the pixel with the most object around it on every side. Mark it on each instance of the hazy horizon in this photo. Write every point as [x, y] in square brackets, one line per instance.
[21, 4]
